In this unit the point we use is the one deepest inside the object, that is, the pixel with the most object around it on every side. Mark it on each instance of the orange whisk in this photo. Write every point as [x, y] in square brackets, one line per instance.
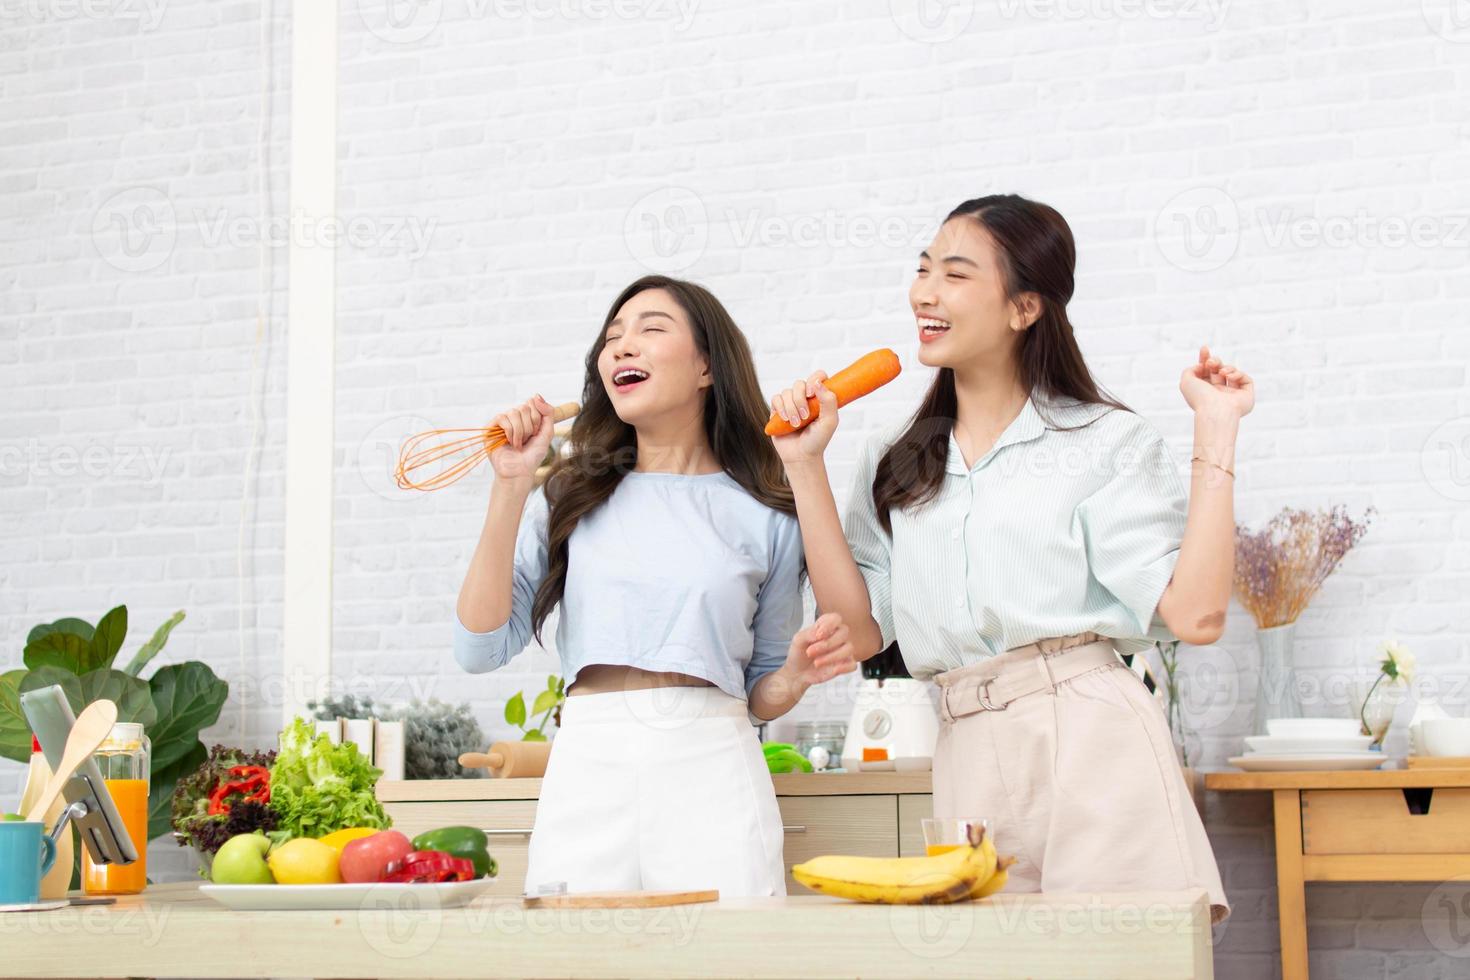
[472, 446]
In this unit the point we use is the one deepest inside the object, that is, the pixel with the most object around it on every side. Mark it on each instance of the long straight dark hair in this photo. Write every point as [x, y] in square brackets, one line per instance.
[1037, 255]
[603, 447]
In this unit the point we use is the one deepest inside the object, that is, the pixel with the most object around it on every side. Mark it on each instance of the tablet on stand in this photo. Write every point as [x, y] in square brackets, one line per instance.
[91, 807]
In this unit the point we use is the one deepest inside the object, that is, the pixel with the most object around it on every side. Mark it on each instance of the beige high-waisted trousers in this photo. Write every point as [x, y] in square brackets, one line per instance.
[1067, 755]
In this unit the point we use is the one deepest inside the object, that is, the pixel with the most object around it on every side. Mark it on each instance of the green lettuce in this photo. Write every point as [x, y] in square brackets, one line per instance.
[318, 787]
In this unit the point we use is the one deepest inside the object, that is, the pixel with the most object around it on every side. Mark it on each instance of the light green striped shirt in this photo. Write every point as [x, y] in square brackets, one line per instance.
[1050, 533]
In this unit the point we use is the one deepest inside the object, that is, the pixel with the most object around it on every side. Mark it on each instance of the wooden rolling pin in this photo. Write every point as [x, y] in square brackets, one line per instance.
[508, 760]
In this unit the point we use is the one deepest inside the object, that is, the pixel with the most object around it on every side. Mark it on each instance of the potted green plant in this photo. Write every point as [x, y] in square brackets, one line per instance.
[174, 705]
[547, 704]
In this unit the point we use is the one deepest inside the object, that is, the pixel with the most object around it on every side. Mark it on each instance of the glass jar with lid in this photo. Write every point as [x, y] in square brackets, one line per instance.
[821, 743]
[124, 757]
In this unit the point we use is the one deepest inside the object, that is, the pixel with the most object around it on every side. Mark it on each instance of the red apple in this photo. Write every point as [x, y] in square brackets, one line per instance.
[366, 858]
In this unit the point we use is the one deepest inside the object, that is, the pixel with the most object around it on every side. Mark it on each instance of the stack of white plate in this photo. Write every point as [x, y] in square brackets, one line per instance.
[1309, 744]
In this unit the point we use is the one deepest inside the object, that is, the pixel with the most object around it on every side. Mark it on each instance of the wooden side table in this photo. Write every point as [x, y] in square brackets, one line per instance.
[1380, 825]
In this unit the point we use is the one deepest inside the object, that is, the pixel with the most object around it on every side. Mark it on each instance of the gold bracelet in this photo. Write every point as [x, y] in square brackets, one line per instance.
[1215, 465]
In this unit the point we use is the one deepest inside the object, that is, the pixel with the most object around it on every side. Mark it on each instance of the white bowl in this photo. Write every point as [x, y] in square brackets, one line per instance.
[1314, 727]
[1445, 736]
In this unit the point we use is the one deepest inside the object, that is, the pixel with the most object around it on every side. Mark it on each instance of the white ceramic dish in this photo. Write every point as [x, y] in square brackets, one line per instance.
[365, 897]
[1313, 727]
[1252, 762]
[1445, 736]
[1307, 745]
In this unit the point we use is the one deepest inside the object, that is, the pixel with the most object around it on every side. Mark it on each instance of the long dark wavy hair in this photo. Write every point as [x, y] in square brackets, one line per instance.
[602, 447]
[1037, 255]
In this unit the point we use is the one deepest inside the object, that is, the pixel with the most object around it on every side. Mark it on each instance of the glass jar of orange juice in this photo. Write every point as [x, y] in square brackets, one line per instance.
[124, 759]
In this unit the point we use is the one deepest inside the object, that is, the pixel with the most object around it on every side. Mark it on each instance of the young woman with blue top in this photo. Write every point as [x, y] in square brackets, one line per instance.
[668, 538]
[1014, 536]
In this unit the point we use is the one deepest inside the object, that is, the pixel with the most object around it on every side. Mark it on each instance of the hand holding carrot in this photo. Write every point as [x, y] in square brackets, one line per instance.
[813, 403]
[866, 374]
[809, 440]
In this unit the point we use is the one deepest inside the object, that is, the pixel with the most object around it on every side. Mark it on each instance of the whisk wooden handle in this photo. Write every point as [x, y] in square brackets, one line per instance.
[565, 411]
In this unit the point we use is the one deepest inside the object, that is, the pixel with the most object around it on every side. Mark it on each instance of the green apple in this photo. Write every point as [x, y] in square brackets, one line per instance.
[241, 861]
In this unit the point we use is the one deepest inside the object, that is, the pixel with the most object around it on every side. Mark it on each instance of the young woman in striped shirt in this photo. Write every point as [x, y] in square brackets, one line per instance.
[1014, 536]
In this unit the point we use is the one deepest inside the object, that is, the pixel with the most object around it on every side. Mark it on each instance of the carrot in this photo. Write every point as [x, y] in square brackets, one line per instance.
[867, 374]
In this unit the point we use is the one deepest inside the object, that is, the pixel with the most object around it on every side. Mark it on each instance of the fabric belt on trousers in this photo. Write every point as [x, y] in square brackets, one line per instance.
[993, 684]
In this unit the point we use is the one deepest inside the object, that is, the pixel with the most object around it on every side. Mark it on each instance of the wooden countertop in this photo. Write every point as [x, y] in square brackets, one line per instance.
[1337, 779]
[174, 931]
[788, 784]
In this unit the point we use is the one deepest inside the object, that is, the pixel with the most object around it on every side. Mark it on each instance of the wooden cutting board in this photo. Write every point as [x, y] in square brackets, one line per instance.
[620, 900]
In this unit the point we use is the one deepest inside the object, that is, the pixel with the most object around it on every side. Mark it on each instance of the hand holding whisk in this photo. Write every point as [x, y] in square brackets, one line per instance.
[435, 459]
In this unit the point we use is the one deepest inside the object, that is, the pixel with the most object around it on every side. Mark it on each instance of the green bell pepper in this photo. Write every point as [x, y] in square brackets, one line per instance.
[462, 842]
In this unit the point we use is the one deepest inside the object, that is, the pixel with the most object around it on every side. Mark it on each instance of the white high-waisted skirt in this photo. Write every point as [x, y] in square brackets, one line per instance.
[664, 789]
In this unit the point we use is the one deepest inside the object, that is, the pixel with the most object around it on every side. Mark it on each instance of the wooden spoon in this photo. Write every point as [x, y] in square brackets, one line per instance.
[92, 727]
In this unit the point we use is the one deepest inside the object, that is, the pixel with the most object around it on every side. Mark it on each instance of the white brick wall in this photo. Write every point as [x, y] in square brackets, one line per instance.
[125, 361]
[512, 165]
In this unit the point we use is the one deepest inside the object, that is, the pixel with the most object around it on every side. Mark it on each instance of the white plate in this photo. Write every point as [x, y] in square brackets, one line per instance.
[42, 906]
[366, 897]
[1308, 763]
[1313, 727]
[1305, 745]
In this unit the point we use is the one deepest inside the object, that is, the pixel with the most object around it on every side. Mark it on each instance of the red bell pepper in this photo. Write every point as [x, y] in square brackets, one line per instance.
[429, 866]
[251, 783]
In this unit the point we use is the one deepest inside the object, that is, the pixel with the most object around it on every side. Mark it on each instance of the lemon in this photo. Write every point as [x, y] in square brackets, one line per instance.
[303, 861]
[339, 839]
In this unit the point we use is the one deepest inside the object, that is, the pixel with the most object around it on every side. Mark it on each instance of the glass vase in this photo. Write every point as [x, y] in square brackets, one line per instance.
[1377, 700]
[1186, 741]
[1187, 744]
[1276, 691]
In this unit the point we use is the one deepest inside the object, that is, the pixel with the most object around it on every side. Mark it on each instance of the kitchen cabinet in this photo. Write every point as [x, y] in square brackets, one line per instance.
[874, 813]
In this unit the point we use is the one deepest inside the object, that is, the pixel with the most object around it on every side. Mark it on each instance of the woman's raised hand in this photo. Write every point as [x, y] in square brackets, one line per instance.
[810, 441]
[527, 428]
[1213, 388]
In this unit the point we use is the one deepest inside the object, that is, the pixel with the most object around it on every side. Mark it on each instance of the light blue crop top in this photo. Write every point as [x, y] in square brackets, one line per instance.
[674, 572]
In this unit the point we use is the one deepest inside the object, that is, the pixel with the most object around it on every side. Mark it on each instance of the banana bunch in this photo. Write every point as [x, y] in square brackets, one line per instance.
[783, 757]
[970, 871]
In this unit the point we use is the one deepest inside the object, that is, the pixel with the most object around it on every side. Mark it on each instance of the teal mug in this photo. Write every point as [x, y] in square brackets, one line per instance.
[26, 854]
